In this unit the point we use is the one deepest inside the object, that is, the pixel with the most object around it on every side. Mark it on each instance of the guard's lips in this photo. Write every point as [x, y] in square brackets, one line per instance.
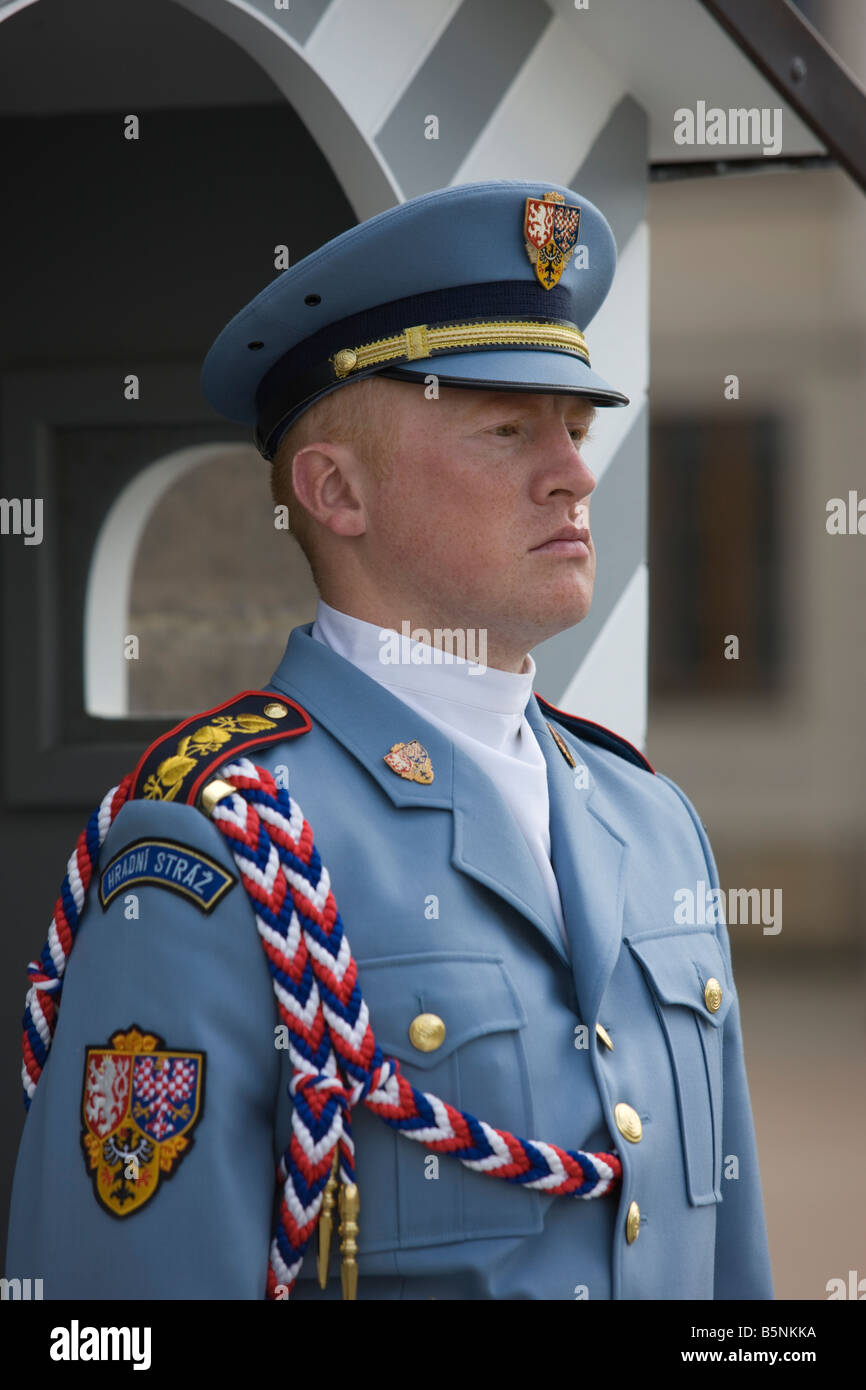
[566, 533]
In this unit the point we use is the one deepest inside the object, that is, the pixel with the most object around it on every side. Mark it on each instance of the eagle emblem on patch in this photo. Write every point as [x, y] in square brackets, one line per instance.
[410, 760]
[550, 229]
[140, 1104]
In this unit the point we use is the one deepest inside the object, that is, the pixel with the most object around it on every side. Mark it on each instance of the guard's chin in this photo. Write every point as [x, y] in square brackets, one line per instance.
[557, 617]
[578, 612]
[574, 604]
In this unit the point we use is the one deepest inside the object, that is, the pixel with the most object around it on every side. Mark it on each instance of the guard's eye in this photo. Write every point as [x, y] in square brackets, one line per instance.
[579, 433]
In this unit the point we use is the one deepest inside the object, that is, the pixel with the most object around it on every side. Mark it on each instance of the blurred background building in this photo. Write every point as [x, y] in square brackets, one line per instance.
[126, 256]
[762, 277]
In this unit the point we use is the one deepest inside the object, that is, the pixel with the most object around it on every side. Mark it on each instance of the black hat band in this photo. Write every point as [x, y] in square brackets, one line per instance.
[515, 313]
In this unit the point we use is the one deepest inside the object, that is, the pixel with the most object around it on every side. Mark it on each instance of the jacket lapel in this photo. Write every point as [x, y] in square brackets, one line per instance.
[367, 719]
[490, 847]
[589, 857]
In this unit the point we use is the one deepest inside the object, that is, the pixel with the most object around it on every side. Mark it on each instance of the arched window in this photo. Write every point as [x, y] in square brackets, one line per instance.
[192, 591]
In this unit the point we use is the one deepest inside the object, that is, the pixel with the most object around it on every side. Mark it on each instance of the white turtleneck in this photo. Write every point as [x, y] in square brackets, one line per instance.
[483, 713]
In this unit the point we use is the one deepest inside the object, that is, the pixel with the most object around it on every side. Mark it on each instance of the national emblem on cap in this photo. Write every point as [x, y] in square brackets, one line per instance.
[551, 228]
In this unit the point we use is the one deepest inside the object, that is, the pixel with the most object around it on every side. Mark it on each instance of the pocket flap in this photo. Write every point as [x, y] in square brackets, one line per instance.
[469, 992]
[679, 965]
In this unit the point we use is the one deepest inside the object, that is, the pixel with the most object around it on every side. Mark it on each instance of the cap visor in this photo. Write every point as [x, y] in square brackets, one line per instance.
[511, 370]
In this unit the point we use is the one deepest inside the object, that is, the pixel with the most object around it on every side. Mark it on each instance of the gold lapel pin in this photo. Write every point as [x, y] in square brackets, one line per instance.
[410, 760]
[562, 746]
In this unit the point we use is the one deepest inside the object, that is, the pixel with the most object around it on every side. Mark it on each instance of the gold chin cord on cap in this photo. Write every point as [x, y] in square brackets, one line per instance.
[349, 1205]
[423, 340]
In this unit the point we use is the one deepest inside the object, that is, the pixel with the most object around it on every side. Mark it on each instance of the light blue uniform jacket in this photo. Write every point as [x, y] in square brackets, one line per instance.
[446, 913]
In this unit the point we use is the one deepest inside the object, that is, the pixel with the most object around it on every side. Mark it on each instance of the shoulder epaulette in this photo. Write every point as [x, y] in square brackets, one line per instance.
[177, 764]
[596, 733]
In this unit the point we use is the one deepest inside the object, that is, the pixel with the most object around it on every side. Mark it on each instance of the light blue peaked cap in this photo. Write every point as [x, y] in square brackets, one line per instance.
[486, 285]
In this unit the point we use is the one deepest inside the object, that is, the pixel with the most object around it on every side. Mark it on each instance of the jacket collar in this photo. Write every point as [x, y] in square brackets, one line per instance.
[365, 717]
[488, 846]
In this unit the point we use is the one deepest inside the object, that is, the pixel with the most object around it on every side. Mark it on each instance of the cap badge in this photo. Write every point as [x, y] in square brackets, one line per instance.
[550, 227]
[410, 760]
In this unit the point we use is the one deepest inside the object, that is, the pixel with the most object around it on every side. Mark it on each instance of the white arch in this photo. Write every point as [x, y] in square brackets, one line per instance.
[106, 602]
[351, 151]
[361, 170]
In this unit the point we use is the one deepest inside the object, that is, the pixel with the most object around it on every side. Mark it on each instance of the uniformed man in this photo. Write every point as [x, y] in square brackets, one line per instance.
[505, 872]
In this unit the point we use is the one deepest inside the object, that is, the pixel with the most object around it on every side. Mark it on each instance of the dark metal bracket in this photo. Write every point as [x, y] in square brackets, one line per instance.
[677, 169]
[791, 54]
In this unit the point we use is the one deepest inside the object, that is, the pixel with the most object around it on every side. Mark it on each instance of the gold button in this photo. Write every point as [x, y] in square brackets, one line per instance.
[632, 1223]
[713, 995]
[427, 1032]
[604, 1035]
[344, 361]
[275, 711]
[628, 1121]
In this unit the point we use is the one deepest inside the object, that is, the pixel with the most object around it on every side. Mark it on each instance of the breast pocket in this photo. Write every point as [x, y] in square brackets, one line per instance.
[692, 993]
[454, 1022]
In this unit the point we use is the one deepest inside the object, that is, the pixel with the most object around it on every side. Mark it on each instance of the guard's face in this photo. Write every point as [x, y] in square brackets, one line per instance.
[465, 523]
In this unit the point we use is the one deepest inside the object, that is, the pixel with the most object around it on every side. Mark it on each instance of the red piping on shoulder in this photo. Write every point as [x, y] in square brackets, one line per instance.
[604, 730]
[238, 748]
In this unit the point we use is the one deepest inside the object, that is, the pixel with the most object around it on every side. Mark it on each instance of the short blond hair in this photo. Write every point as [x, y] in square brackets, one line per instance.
[355, 414]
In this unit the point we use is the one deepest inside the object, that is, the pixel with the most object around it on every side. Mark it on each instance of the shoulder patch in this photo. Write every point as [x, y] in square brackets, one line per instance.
[177, 764]
[591, 732]
[140, 1103]
[166, 864]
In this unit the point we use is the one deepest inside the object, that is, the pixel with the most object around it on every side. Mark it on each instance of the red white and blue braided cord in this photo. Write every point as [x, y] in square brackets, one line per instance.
[46, 973]
[336, 1060]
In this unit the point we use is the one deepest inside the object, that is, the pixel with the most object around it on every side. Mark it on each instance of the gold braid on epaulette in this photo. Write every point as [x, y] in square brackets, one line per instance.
[179, 762]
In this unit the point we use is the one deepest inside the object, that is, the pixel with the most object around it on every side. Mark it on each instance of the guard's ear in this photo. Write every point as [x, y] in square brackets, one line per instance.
[326, 478]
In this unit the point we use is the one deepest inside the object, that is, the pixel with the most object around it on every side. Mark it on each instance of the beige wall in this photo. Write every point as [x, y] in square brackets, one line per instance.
[766, 277]
[763, 277]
